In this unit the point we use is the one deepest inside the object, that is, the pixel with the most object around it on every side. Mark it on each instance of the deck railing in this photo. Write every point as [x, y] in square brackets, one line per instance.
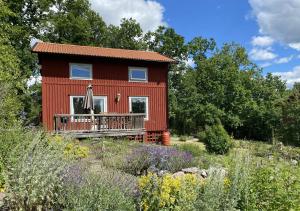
[98, 123]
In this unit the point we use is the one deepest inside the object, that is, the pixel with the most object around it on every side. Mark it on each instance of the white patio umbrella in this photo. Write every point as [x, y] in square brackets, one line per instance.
[89, 100]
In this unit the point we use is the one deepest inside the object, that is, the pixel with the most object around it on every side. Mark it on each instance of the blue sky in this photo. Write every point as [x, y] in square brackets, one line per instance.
[268, 29]
[225, 21]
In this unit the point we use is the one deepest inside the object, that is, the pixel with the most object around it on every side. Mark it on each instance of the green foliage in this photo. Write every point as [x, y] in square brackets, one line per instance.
[34, 178]
[195, 149]
[289, 129]
[2, 179]
[94, 195]
[183, 138]
[74, 22]
[216, 139]
[168, 193]
[74, 150]
[274, 187]
[226, 189]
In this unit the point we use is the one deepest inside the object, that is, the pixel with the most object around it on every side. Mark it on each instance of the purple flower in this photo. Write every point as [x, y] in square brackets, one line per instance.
[161, 158]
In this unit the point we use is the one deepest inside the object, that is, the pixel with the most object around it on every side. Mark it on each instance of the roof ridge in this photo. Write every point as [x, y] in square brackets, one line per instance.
[85, 50]
[89, 46]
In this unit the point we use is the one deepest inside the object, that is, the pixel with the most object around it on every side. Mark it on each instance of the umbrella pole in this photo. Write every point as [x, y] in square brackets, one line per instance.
[93, 119]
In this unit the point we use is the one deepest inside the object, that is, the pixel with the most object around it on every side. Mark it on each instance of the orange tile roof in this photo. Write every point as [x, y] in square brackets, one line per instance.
[55, 48]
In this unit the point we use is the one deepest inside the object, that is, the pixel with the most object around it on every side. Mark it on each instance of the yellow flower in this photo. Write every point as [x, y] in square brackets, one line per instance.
[227, 182]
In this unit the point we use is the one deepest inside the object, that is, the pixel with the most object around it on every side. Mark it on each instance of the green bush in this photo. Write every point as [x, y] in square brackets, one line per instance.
[95, 194]
[274, 187]
[10, 139]
[168, 193]
[34, 178]
[225, 188]
[183, 138]
[2, 180]
[195, 149]
[216, 139]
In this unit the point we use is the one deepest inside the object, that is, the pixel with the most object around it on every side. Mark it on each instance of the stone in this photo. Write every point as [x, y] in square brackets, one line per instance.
[161, 173]
[294, 162]
[203, 174]
[192, 170]
[178, 174]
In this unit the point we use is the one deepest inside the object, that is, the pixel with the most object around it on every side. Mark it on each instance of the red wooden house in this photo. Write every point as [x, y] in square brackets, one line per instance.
[130, 90]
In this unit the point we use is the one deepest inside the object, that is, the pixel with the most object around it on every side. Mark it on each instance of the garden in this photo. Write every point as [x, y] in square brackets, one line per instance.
[44, 172]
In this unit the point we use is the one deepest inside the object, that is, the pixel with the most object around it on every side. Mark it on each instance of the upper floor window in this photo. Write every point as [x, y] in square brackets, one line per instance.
[138, 74]
[81, 71]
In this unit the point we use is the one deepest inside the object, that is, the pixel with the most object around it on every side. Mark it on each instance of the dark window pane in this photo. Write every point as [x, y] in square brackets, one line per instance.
[138, 74]
[78, 106]
[99, 106]
[138, 105]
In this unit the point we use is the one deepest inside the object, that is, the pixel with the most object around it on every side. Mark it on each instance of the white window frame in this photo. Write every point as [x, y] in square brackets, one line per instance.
[88, 66]
[95, 97]
[130, 69]
[147, 105]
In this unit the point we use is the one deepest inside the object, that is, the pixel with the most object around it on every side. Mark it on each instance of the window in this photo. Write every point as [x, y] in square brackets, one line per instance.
[139, 105]
[81, 71]
[76, 103]
[138, 74]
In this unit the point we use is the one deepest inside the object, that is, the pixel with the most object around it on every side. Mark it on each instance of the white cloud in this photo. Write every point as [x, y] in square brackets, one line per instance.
[259, 54]
[262, 41]
[284, 60]
[295, 46]
[278, 19]
[266, 64]
[291, 76]
[149, 13]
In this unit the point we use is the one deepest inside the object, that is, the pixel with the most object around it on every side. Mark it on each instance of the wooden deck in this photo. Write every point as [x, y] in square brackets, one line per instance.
[99, 125]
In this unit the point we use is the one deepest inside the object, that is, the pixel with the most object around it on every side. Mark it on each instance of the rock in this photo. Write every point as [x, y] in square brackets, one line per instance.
[192, 170]
[162, 173]
[178, 174]
[294, 162]
[203, 174]
[217, 170]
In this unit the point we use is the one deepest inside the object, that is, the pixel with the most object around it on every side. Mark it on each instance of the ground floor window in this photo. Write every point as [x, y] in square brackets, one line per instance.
[139, 105]
[77, 102]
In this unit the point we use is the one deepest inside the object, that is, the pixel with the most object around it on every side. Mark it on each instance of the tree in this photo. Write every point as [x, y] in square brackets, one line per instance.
[289, 129]
[127, 36]
[10, 105]
[73, 21]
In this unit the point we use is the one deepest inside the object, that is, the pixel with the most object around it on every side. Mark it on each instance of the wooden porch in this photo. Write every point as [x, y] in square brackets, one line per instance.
[100, 125]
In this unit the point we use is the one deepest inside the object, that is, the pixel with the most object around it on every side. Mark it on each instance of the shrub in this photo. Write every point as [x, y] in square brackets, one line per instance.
[95, 194]
[161, 158]
[274, 187]
[226, 189]
[74, 150]
[217, 140]
[194, 149]
[10, 139]
[126, 183]
[2, 180]
[34, 174]
[183, 138]
[167, 192]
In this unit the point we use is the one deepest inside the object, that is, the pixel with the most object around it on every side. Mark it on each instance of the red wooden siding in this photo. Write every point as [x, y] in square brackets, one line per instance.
[110, 77]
